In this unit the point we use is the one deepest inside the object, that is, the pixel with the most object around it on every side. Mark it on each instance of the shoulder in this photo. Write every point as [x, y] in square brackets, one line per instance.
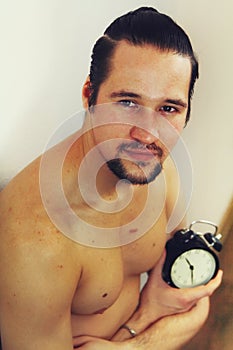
[19, 198]
[27, 233]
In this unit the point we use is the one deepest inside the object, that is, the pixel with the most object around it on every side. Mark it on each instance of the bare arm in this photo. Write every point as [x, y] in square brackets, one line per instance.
[172, 332]
[35, 296]
[169, 333]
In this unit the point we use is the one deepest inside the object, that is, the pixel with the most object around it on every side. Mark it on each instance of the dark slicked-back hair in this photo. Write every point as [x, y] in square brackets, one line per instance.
[140, 27]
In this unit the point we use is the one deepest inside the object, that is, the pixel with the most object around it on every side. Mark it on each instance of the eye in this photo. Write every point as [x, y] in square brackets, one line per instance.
[129, 104]
[169, 109]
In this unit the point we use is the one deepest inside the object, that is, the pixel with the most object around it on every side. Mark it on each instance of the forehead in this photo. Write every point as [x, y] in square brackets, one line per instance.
[149, 67]
[147, 53]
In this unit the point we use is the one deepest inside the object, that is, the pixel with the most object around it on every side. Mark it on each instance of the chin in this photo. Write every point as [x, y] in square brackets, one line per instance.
[136, 174]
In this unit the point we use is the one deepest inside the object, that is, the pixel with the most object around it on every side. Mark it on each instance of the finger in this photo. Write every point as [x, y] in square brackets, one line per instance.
[81, 340]
[210, 287]
[192, 295]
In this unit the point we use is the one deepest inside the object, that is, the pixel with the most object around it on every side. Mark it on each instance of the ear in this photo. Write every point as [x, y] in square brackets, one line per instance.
[86, 92]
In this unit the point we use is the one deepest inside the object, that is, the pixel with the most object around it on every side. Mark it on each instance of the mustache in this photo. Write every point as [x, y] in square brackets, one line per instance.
[134, 146]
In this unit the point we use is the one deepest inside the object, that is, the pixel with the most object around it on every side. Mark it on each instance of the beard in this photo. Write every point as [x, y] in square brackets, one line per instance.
[140, 173]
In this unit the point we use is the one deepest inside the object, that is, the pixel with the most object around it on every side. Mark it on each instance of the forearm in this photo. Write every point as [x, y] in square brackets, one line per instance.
[172, 332]
[161, 335]
[138, 322]
[169, 333]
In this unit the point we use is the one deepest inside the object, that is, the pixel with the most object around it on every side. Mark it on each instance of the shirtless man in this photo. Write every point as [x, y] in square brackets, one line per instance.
[56, 292]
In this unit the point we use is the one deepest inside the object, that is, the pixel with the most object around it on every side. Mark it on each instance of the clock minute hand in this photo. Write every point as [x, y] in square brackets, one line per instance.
[191, 268]
[190, 265]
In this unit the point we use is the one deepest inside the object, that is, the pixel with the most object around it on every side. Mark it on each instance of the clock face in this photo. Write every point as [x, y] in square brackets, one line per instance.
[193, 268]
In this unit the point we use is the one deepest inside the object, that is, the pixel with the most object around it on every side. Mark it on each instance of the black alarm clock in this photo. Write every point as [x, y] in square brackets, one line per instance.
[190, 259]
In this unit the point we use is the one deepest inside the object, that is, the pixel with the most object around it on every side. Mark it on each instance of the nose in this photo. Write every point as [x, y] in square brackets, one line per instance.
[143, 136]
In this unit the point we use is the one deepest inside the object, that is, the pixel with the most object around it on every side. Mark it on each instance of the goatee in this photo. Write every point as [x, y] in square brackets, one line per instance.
[136, 178]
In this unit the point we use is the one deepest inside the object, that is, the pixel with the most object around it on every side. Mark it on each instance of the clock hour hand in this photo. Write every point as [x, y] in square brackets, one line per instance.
[191, 268]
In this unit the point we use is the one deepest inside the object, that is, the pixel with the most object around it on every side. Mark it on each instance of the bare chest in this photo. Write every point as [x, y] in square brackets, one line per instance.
[100, 283]
[106, 271]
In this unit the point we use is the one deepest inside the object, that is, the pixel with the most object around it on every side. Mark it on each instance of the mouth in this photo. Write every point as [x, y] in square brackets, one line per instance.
[143, 153]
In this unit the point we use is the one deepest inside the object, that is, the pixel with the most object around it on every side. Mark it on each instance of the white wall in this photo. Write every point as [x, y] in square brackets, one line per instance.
[45, 55]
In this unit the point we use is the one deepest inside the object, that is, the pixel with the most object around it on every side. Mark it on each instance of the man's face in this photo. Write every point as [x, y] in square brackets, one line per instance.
[143, 105]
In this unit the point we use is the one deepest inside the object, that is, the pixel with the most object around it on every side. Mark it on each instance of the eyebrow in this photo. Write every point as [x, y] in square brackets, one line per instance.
[125, 94]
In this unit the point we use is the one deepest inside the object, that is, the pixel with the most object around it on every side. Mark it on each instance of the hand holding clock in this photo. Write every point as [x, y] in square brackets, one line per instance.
[158, 299]
[187, 255]
[188, 251]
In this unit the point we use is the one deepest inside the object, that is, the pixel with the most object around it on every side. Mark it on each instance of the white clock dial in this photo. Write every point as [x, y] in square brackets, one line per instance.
[192, 268]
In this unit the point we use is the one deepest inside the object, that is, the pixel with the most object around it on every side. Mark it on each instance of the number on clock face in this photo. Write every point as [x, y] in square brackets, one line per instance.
[192, 268]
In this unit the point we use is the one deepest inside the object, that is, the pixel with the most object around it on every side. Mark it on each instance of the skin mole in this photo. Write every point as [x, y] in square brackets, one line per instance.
[133, 230]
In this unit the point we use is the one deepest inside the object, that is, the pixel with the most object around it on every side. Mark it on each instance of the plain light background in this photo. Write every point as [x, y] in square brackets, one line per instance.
[45, 55]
